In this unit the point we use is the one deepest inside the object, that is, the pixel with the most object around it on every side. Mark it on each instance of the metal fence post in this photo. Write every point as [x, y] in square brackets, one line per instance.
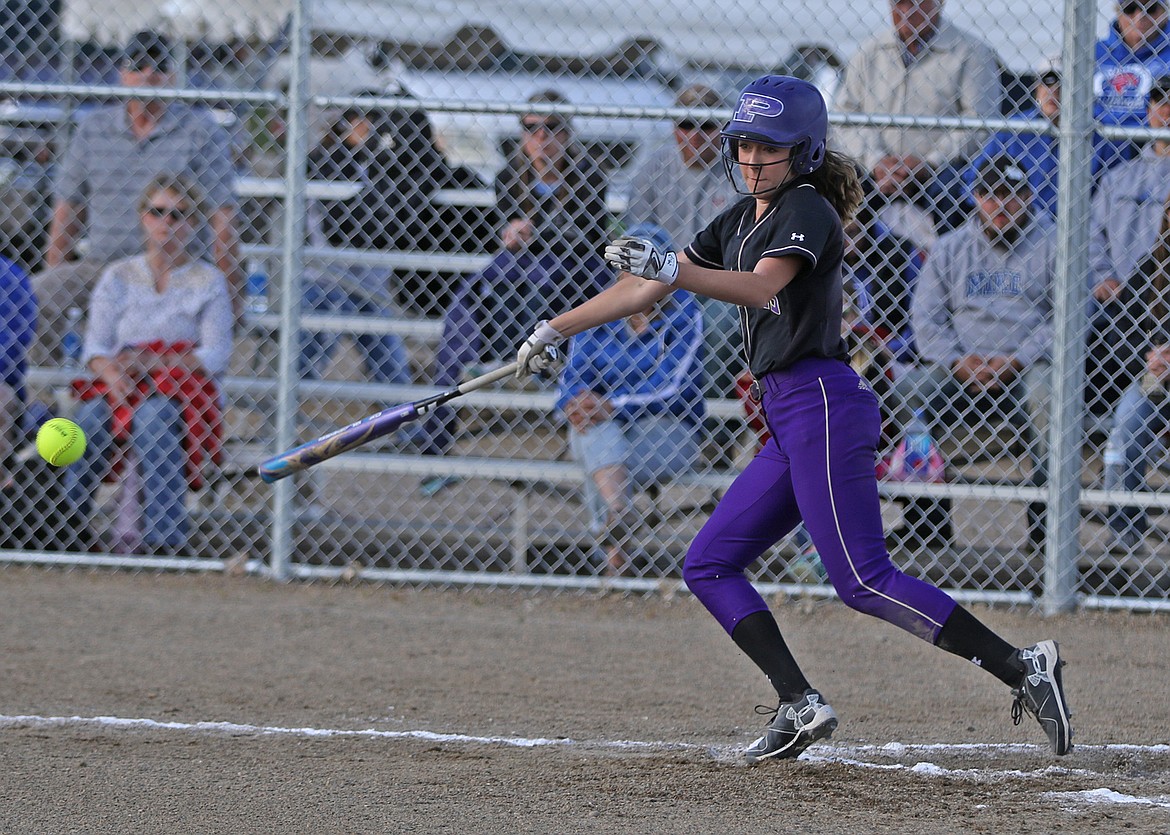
[1069, 310]
[288, 398]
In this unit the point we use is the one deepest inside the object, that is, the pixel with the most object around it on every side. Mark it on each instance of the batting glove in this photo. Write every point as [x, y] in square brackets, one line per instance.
[640, 257]
[539, 354]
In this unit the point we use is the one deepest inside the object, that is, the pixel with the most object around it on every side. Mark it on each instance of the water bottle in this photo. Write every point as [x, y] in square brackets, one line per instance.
[71, 341]
[918, 457]
[918, 443]
[256, 293]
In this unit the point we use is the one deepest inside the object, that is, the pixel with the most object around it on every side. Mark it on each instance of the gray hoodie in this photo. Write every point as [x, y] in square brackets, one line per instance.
[1126, 214]
[975, 298]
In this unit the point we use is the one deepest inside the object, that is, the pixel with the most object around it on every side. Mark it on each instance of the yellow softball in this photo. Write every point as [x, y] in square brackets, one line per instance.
[60, 442]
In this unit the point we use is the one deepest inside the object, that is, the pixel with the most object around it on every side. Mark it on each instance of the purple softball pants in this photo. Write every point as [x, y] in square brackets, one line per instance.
[818, 466]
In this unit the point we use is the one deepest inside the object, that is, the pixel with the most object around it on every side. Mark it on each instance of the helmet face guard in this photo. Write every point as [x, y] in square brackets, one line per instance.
[729, 151]
[783, 112]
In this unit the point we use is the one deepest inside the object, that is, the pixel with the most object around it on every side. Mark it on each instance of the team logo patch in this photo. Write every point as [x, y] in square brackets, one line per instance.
[752, 105]
[994, 283]
[1125, 83]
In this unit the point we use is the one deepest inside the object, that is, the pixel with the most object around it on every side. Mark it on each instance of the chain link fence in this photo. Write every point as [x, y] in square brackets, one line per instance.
[377, 200]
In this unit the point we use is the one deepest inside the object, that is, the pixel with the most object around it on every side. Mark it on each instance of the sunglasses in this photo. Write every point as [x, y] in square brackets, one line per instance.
[175, 214]
[547, 125]
[690, 124]
[1142, 8]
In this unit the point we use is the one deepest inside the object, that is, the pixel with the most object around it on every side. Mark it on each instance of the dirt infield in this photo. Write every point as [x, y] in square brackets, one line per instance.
[365, 709]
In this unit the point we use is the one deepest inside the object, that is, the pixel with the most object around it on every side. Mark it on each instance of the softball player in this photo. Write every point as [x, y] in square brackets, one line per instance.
[777, 254]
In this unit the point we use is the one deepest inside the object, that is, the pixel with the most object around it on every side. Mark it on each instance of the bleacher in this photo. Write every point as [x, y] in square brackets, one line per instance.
[519, 470]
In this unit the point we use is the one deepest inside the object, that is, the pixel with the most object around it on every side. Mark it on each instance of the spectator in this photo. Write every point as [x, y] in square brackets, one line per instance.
[1141, 418]
[114, 150]
[630, 393]
[681, 187]
[432, 225]
[18, 321]
[924, 66]
[982, 317]
[159, 333]
[551, 199]
[1126, 211]
[1038, 153]
[396, 176]
[24, 196]
[1130, 59]
[399, 172]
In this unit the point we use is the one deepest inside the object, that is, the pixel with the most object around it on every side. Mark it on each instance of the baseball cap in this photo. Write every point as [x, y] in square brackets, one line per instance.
[1049, 71]
[698, 95]
[148, 49]
[1135, 6]
[1001, 173]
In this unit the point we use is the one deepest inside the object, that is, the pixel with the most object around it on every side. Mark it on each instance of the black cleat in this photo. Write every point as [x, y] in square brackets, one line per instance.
[1042, 695]
[797, 725]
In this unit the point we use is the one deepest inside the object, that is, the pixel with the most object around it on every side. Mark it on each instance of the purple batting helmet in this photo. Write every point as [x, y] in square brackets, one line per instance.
[785, 112]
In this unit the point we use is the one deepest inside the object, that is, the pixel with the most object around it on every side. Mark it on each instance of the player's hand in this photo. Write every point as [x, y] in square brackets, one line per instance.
[539, 354]
[640, 257]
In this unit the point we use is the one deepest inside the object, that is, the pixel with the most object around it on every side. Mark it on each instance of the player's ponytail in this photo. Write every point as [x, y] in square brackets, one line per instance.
[837, 181]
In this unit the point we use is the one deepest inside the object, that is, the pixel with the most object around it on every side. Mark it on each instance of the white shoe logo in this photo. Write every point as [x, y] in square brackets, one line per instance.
[804, 717]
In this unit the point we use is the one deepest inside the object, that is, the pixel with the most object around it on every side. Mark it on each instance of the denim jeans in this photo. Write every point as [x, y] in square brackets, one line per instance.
[653, 449]
[156, 437]
[1134, 440]
[384, 356]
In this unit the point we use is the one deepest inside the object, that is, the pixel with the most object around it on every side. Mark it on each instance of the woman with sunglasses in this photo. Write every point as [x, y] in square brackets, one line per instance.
[159, 332]
[778, 254]
[550, 198]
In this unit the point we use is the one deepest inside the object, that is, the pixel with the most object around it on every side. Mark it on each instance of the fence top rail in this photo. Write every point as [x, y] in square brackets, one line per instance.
[482, 198]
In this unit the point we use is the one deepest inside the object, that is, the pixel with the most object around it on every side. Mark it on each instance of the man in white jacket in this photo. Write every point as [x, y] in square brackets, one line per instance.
[922, 66]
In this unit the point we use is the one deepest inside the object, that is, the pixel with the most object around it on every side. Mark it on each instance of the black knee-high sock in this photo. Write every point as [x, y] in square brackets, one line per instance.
[759, 637]
[967, 637]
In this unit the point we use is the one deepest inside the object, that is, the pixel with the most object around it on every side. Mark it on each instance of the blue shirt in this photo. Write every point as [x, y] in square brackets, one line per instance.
[657, 371]
[18, 324]
[1123, 77]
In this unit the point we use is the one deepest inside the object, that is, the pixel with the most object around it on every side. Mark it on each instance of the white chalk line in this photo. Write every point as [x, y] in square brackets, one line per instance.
[842, 754]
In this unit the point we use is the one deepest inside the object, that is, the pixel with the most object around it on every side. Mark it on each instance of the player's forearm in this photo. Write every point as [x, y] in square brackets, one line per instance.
[749, 289]
[628, 296]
